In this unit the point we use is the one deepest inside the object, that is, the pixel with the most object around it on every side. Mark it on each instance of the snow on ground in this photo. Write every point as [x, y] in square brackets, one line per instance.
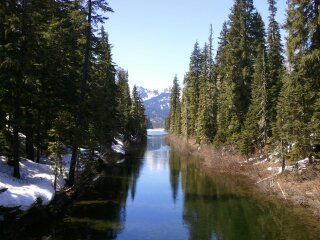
[261, 161]
[118, 147]
[300, 165]
[66, 159]
[37, 179]
[36, 182]
[157, 132]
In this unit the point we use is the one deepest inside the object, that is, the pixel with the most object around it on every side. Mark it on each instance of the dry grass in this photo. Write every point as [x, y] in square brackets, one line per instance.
[304, 188]
[218, 160]
[299, 188]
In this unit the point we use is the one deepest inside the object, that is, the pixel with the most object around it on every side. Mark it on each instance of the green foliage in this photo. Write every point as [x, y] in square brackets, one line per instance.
[275, 60]
[297, 107]
[256, 125]
[57, 78]
[237, 52]
[138, 120]
[247, 98]
[191, 91]
[291, 118]
[206, 121]
[173, 122]
[124, 102]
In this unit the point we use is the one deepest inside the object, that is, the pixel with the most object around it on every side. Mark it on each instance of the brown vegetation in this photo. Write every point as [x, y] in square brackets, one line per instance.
[300, 188]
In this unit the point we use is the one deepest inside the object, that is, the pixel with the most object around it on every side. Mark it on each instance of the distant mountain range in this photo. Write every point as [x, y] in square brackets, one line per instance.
[157, 105]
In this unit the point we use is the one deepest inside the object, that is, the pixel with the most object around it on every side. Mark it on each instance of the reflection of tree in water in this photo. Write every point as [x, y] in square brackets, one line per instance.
[156, 143]
[217, 207]
[101, 213]
[174, 164]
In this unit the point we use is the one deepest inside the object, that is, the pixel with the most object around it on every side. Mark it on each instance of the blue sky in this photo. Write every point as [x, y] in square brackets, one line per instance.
[153, 39]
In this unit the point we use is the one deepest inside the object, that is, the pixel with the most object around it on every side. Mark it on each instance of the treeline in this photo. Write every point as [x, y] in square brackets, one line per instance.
[58, 83]
[249, 96]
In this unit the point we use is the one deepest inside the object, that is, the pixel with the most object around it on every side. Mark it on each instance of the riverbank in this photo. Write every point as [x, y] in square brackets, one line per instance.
[17, 223]
[293, 187]
[17, 219]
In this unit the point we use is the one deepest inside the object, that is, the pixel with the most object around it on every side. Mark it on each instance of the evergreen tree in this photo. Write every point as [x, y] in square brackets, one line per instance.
[138, 121]
[297, 107]
[192, 84]
[175, 112]
[220, 76]
[206, 127]
[58, 82]
[275, 60]
[123, 102]
[255, 131]
[12, 55]
[102, 93]
[244, 35]
[292, 126]
[94, 9]
[185, 110]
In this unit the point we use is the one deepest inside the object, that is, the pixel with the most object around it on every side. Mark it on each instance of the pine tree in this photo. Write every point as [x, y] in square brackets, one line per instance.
[138, 121]
[220, 76]
[102, 93]
[297, 106]
[12, 55]
[57, 80]
[315, 123]
[123, 102]
[192, 85]
[178, 117]
[291, 128]
[94, 9]
[206, 127]
[185, 109]
[255, 131]
[174, 114]
[275, 61]
[244, 35]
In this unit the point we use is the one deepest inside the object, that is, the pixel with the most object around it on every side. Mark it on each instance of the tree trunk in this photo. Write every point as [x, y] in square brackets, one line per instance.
[38, 138]
[316, 37]
[283, 157]
[29, 144]
[16, 141]
[73, 164]
[16, 96]
[83, 86]
[55, 177]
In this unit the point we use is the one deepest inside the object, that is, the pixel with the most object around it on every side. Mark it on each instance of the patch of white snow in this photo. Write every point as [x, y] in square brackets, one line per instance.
[36, 181]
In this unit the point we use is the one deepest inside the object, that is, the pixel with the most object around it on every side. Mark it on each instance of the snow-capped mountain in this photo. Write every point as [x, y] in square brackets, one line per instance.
[157, 105]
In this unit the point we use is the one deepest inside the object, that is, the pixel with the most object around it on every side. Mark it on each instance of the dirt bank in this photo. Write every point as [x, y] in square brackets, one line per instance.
[294, 187]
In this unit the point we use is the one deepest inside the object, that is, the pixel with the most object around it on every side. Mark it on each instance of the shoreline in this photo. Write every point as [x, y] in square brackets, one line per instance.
[16, 221]
[292, 188]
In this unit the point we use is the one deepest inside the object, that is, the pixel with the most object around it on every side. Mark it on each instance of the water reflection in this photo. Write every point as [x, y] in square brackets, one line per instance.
[219, 207]
[159, 194]
[157, 154]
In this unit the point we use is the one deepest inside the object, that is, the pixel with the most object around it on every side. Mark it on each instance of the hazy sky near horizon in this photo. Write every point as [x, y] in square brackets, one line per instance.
[153, 39]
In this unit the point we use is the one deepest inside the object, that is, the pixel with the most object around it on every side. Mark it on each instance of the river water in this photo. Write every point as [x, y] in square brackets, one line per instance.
[158, 194]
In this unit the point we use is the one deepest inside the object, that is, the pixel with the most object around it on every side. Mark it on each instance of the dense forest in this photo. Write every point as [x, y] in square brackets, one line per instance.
[59, 87]
[256, 94]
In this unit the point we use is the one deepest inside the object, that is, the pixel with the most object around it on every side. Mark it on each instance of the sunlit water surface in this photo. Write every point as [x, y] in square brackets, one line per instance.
[158, 194]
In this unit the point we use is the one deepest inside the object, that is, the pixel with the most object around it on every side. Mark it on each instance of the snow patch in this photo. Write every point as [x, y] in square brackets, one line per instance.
[261, 161]
[118, 147]
[36, 182]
